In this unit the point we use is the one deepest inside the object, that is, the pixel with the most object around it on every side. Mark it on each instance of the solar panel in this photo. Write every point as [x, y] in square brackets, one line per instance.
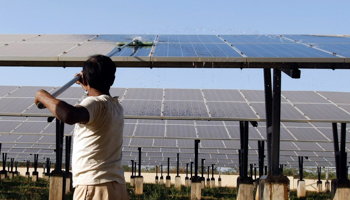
[8, 138]
[307, 146]
[287, 111]
[223, 95]
[175, 131]
[183, 94]
[29, 138]
[322, 111]
[144, 94]
[212, 144]
[185, 108]
[304, 97]
[144, 142]
[212, 132]
[144, 108]
[31, 127]
[230, 110]
[8, 126]
[149, 130]
[307, 134]
[128, 129]
[336, 97]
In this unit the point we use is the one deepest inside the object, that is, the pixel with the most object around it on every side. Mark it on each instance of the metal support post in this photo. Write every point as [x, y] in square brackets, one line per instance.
[168, 167]
[132, 168]
[268, 111]
[203, 169]
[191, 171]
[212, 171]
[196, 179]
[276, 119]
[319, 173]
[178, 164]
[48, 166]
[186, 170]
[251, 170]
[68, 150]
[139, 161]
[301, 163]
[261, 157]
[59, 146]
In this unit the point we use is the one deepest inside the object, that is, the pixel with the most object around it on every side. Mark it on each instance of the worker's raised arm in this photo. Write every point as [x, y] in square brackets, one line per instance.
[63, 111]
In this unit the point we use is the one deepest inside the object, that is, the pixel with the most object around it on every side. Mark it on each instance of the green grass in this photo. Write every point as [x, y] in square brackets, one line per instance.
[22, 188]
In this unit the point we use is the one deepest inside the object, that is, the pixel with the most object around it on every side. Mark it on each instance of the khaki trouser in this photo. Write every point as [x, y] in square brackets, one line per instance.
[104, 191]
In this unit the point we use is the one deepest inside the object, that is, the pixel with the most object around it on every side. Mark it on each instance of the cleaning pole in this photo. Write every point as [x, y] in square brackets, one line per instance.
[60, 90]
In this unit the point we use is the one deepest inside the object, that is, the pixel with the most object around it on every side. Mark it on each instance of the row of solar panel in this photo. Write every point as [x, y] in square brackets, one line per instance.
[178, 45]
[245, 104]
[209, 95]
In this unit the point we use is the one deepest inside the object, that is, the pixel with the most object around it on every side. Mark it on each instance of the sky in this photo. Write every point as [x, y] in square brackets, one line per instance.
[177, 17]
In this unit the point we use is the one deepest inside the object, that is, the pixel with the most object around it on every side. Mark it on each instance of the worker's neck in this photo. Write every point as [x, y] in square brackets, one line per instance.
[93, 92]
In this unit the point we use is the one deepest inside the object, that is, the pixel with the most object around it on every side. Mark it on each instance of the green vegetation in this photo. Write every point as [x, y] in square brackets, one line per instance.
[22, 188]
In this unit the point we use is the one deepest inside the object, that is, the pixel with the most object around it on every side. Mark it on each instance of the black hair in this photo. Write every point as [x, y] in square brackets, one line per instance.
[99, 72]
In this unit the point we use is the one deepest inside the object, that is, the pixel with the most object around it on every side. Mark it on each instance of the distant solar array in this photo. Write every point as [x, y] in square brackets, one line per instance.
[174, 50]
[24, 136]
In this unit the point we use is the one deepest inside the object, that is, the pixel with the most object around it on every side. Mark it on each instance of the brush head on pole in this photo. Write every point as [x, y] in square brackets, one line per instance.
[136, 43]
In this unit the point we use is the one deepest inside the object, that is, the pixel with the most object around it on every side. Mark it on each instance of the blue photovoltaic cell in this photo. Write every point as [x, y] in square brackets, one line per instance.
[144, 94]
[134, 51]
[313, 39]
[281, 51]
[339, 49]
[141, 108]
[255, 39]
[143, 130]
[183, 94]
[185, 108]
[176, 131]
[230, 109]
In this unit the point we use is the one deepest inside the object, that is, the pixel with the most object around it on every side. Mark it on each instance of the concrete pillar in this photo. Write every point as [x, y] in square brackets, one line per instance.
[168, 182]
[203, 182]
[156, 180]
[139, 185]
[28, 175]
[187, 182]
[196, 190]
[69, 183]
[35, 176]
[212, 183]
[3, 176]
[319, 186]
[301, 190]
[327, 187]
[132, 181]
[340, 189]
[208, 182]
[57, 190]
[219, 182]
[161, 180]
[257, 193]
[246, 191]
[274, 187]
[178, 182]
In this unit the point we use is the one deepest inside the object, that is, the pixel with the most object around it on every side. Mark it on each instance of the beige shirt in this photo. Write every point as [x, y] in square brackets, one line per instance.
[97, 145]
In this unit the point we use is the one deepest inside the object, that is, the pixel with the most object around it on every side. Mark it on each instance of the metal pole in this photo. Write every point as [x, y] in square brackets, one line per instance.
[186, 169]
[178, 163]
[203, 168]
[168, 166]
[139, 161]
[132, 168]
[68, 149]
[4, 158]
[268, 112]
[276, 118]
[60, 90]
[336, 149]
[196, 158]
[191, 169]
[212, 171]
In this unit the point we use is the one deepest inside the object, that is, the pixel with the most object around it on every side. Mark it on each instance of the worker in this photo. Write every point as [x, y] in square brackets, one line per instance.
[98, 134]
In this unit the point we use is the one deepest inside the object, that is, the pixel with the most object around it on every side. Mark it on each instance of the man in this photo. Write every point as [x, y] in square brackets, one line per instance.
[98, 134]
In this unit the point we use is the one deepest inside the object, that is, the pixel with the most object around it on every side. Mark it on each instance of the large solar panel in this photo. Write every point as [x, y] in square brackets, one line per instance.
[22, 136]
[173, 50]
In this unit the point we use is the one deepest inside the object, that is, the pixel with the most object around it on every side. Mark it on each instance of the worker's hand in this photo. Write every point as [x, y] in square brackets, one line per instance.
[40, 94]
[80, 81]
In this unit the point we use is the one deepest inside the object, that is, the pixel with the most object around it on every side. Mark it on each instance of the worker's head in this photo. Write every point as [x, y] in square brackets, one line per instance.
[99, 72]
